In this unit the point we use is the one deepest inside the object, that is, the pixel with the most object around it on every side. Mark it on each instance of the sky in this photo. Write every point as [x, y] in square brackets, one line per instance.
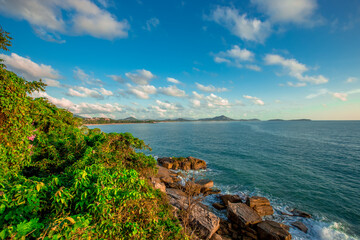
[161, 59]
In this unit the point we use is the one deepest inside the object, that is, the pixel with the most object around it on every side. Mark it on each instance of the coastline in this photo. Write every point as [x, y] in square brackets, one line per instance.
[93, 124]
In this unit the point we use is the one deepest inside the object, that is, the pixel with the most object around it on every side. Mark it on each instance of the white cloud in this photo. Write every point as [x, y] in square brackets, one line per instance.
[173, 80]
[255, 100]
[240, 25]
[141, 77]
[341, 96]
[86, 78]
[62, 103]
[210, 88]
[51, 82]
[299, 84]
[152, 23]
[294, 69]
[213, 100]
[172, 91]
[96, 108]
[253, 67]
[320, 92]
[197, 95]
[351, 79]
[142, 91]
[168, 106]
[29, 69]
[195, 102]
[285, 11]
[117, 78]
[70, 17]
[235, 56]
[98, 93]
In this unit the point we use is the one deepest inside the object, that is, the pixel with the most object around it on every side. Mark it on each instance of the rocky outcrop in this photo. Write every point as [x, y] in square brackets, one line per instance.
[242, 214]
[261, 205]
[205, 222]
[300, 226]
[299, 213]
[218, 206]
[270, 230]
[189, 163]
[230, 198]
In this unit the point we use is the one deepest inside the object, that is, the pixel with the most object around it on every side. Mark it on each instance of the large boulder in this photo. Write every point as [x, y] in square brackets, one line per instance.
[270, 230]
[205, 183]
[205, 222]
[242, 214]
[300, 213]
[189, 163]
[157, 184]
[300, 226]
[230, 198]
[196, 163]
[261, 205]
[218, 206]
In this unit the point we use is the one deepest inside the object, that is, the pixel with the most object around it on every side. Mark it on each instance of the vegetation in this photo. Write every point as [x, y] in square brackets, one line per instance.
[61, 180]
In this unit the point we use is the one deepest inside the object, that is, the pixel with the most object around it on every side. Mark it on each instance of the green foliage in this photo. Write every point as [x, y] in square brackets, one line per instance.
[61, 180]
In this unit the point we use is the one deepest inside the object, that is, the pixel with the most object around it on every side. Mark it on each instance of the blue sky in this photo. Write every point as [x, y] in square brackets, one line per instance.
[167, 59]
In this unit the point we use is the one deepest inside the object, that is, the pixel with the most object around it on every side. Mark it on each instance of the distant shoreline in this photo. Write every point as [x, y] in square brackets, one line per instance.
[92, 124]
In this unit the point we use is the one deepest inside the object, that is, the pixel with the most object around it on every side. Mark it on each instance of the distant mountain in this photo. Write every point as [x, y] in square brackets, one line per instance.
[305, 119]
[272, 120]
[130, 119]
[218, 118]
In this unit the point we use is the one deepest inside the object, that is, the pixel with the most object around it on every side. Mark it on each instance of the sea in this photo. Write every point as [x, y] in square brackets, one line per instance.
[313, 166]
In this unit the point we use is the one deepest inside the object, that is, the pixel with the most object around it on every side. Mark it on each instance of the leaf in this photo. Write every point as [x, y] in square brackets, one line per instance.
[70, 219]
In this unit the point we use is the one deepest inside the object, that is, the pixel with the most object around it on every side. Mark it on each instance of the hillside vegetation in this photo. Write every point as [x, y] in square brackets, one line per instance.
[61, 180]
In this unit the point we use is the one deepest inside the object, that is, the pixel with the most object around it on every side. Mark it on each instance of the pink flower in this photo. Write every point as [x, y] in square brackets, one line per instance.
[32, 137]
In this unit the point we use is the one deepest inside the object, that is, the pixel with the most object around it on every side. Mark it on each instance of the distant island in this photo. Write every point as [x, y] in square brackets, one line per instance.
[129, 120]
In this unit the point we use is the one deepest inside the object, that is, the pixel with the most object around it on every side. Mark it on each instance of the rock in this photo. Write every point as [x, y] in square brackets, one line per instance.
[242, 214]
[218, 206]
[186, 166]
[270, 230]
[216, 237]
[196, 163]
[230, 198]
[261, 205]
[167, 165]
[205, 183]
[300, 213]
[162, 172]
[175, 185]
[167, 179]
[209, 191]
[175, 166]
[160, 186]
[300, 226]
[205, 222]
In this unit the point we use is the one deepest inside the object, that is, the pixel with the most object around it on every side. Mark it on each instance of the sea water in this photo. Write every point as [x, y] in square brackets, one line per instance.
[310, 165]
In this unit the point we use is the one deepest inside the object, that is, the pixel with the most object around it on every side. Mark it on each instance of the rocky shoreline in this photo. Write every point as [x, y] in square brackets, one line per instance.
[245, 215]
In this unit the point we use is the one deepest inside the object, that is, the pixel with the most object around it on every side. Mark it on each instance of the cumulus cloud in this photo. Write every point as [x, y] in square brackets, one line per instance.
[29, 69]
[240, 25]
[62, 103]
[141, 91]
[351, 79]
[117, 78]
[210, 88]
[168, 106]
[86, 78]
[299, 84]
[172, 91]
[255, 100]
[213, 100]
[294, 69]
[288, 11]
[173, 80]
[235, 56]
[152, 23]
[70, 17]
[98, 93]
[141, 76]
[253, 67]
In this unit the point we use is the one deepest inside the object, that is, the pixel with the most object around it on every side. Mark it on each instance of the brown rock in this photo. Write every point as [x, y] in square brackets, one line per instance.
[196, 163]
[300, 226]
[205, 183]
[216, 237]
[160, 186]
[242, 214]
[264, 210]
[167, 165]
[162, 172]
[209, 191]
[218, 206]
[270, 230]
[175, 166]
[205, 222]
[261, 205]
[300, 213]
[167, 179]
[186, 166]
[230, 198]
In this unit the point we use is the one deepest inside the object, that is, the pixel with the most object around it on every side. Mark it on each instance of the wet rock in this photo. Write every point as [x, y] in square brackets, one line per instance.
[300, 226]
[300, 213]
[230, 198]
[218, 206]
[261, 205]
[242, 214]
[270, 230]
[210, 191]
[205, 183]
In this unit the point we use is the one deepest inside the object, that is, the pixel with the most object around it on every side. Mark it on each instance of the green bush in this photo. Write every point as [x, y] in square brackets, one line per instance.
[61, 180]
